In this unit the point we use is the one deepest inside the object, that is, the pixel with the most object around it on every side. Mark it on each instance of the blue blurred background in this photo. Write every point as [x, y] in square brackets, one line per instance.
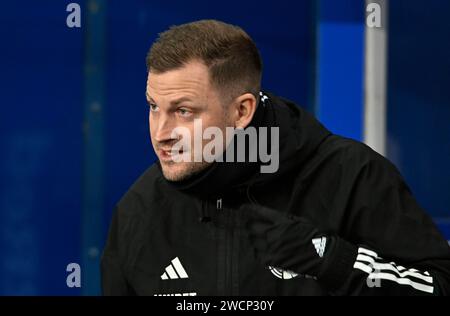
[73, 115]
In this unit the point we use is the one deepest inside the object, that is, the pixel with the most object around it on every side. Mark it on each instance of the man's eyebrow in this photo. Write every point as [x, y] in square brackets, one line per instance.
[149, 98]
[173, 102]
[180, 100]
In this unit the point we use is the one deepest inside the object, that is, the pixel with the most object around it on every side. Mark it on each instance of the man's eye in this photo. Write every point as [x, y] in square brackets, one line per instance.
[184, 112]
[153, 107]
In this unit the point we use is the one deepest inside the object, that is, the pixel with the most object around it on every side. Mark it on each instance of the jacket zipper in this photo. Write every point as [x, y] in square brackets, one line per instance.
[221, 251]
[228, 277]
[229, 251]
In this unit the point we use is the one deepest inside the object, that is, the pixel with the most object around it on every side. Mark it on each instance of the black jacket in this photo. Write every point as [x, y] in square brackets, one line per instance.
[190, 238]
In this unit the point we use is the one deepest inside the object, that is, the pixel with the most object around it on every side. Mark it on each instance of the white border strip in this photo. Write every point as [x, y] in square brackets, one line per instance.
[375, 81]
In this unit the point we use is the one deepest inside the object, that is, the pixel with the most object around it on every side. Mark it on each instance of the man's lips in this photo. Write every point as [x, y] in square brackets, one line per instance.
[167, 154]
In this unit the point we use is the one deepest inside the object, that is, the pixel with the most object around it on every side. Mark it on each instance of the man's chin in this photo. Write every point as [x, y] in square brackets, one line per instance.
[175, 172]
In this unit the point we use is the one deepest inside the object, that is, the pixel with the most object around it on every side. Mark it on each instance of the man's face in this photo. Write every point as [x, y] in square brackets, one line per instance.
[176, 98]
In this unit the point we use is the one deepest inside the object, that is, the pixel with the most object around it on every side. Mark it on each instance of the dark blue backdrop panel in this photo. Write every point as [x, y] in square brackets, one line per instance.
[419, 99]
[41, 144]
[340, 66]
[94, 143]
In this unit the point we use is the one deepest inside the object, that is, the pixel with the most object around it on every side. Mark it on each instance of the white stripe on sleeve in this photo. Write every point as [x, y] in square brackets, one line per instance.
[369, 262]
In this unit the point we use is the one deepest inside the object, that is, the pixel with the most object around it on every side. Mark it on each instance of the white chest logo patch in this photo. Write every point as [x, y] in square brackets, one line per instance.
[283, 274]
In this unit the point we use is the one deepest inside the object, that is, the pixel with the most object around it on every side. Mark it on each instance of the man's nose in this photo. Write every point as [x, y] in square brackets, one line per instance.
[163, 129]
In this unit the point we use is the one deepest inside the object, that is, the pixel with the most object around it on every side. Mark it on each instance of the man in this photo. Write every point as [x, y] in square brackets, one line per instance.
[331, 218]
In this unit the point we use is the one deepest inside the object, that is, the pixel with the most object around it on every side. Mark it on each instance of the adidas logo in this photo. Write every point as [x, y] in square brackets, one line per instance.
[320, 244]
[174, 270]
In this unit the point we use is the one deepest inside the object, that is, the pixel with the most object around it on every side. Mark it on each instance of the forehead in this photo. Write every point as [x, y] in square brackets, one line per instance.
[192, 79]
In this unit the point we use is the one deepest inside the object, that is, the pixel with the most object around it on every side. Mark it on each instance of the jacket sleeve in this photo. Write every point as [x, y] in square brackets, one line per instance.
[390, 245]
[113, 278]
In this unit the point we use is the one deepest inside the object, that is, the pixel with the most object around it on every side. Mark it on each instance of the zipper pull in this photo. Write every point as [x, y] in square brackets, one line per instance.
[219, 204]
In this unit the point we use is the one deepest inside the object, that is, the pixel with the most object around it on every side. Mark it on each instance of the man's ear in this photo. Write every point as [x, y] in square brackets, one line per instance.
[244, 109]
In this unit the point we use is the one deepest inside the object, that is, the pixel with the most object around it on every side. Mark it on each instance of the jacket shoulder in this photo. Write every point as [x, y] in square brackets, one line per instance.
[143, 194]
[352, 154]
